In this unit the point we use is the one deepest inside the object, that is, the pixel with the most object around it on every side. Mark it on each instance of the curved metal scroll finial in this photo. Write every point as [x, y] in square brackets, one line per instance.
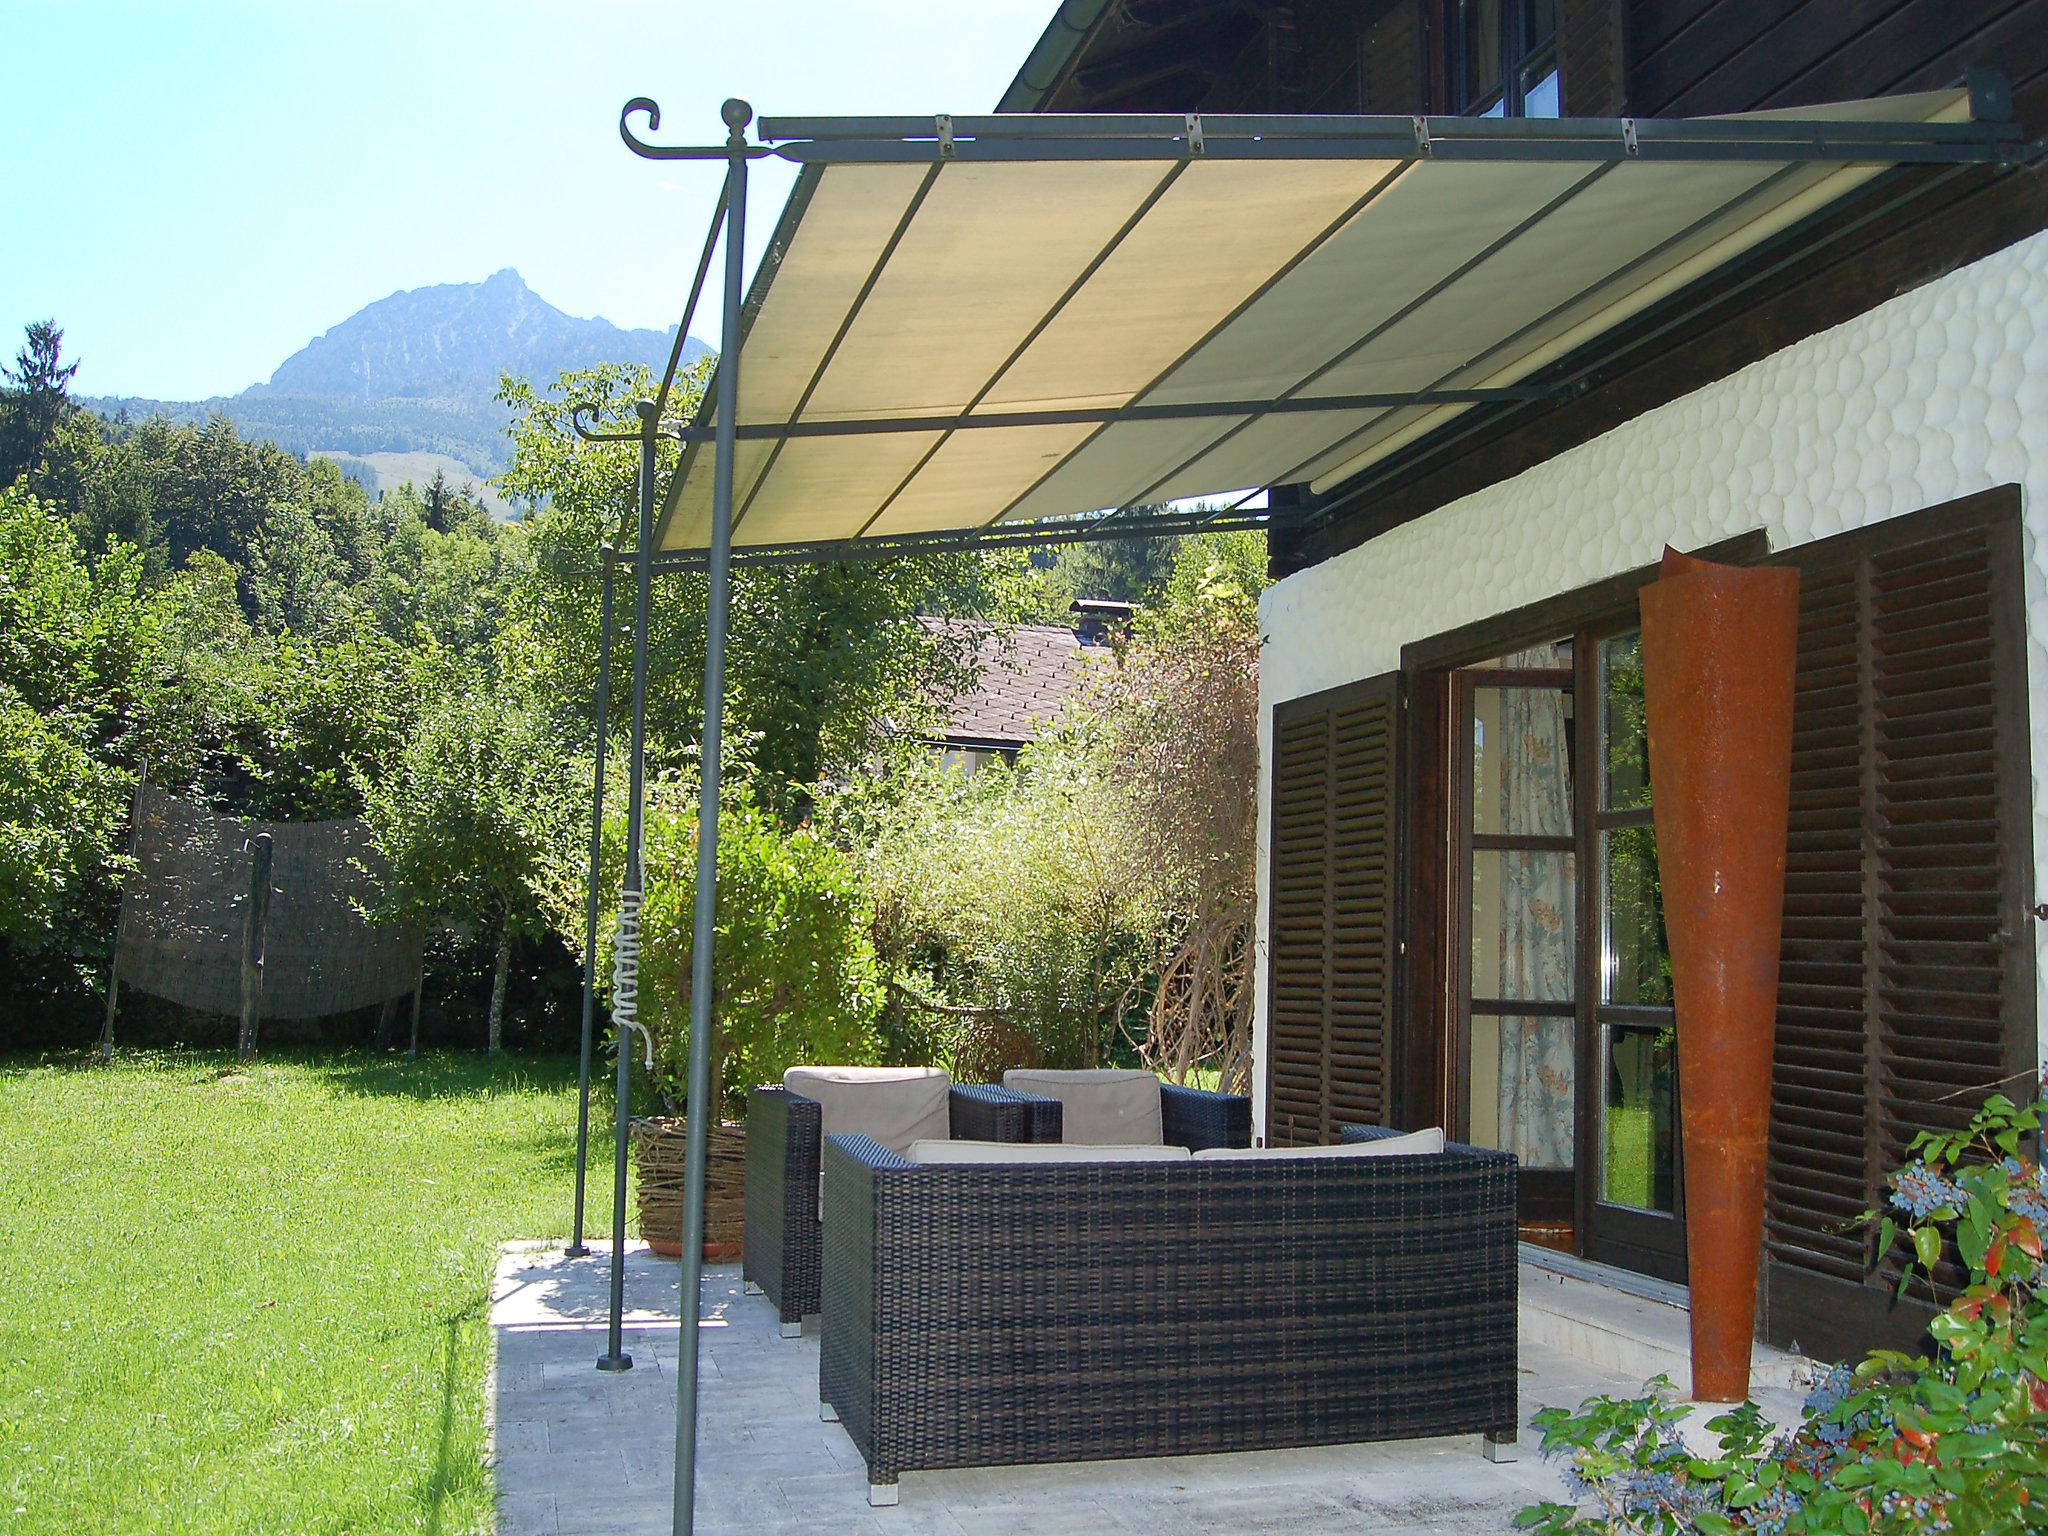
[735, 113]
[583, 418]
[652, 110]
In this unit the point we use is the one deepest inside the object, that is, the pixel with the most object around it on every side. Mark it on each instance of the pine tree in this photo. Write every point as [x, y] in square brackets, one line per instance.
[37, 396]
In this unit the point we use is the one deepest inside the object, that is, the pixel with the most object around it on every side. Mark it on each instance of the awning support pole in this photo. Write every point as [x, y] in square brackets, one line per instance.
[608, 557]
[737, 115]
[626, 942]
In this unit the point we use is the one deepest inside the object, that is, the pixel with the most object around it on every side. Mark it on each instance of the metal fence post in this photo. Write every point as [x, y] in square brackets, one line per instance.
[254, 919]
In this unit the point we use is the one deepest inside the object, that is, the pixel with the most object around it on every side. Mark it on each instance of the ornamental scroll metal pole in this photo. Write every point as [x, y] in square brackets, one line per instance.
[737, 114]
[626, 934]
[610, 559]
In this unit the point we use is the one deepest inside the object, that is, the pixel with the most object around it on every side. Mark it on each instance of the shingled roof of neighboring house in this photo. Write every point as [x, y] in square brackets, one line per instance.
[1028, 674]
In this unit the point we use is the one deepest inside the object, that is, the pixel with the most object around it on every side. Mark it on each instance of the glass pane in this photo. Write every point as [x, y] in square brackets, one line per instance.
[1521, 1076]
[1539, 23]
[1636, 967]
[1637, 1167]
[1540, 97]
[1480, 49]
[1521, 762]
[1523, 931]
[1625, 744]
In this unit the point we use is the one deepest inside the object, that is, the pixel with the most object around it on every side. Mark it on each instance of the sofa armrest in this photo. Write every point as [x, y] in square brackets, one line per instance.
[984, 1112]
[1197, 1119]
[1366, 1133]
[1351, 1133]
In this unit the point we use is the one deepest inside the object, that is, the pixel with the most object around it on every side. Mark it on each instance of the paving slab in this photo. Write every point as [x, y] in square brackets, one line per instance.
[580, 1452]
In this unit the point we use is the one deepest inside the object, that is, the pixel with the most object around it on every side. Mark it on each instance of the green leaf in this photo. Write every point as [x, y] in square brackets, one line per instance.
[1927, 1244]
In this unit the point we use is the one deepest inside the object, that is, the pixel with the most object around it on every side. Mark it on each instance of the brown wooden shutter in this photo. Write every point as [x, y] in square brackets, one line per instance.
[1331, 946]
[1591, 71]
[1391, 72]
[1906, 989]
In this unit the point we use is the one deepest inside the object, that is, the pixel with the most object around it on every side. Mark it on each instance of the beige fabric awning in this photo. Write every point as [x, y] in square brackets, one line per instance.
[939, 291]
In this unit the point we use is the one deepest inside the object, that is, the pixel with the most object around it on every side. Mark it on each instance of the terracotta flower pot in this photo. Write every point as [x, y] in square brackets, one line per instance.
[659, 1146]
[1719, 648]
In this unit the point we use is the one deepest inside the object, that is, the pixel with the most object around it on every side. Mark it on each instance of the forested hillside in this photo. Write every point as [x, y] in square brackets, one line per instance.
[418, 372]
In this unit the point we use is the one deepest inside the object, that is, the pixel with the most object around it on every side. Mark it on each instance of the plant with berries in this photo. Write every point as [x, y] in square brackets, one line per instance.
[1954, 1440]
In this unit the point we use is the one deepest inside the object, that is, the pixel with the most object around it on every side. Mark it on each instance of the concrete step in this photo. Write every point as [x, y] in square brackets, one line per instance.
[1635, 1327]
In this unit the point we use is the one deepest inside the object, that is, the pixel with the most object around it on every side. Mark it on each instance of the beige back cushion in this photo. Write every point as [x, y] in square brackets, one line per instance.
[1038, 1152]
[895, 1105]
[1414, 1143]
[1111, 1106]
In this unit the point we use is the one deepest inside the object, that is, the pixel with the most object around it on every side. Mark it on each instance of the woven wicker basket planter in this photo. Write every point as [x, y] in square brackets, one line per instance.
[658, 1149]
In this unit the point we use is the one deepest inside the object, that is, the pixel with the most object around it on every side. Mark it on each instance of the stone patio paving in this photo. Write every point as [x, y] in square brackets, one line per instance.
[579, 1451]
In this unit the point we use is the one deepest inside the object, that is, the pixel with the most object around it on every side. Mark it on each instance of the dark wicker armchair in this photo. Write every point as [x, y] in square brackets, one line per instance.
[1195, 1118]
[779, 1255]
[978, 1315]
[1189, 1117]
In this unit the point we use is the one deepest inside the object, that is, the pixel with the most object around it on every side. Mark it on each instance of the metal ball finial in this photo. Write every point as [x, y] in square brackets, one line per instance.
[737, 113]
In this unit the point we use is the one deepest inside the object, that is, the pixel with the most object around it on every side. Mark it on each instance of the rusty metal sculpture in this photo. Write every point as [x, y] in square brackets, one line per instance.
[1719, 646]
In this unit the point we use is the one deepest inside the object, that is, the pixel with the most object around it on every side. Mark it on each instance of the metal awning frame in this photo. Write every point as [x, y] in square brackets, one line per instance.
[1989, 138]
[1241, 136]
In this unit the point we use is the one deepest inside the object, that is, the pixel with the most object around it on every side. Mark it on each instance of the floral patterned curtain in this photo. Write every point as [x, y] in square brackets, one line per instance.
[1537, 920]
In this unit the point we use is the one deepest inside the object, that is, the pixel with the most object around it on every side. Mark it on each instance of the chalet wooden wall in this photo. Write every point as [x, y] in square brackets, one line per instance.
[1692, 57]
[1645, 57]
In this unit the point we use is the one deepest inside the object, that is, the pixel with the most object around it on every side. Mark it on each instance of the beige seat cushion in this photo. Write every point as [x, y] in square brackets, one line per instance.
[895, 1105]
[1038, 1152]
[1415, 1143]
[1110, 1106]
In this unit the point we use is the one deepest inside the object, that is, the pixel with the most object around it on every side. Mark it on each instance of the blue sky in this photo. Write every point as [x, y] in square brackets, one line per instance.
[196, 188]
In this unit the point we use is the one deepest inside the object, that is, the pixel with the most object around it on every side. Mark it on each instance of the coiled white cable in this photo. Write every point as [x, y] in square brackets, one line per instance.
[626, 973]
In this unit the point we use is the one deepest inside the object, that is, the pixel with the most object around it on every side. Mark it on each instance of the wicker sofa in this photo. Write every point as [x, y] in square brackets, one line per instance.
[780, 1240]
[979, 1315]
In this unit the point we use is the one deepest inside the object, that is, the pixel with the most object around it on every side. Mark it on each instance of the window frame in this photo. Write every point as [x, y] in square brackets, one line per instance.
[1518, 57]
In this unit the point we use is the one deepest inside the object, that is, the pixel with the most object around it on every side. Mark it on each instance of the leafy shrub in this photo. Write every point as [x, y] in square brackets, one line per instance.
[1008, 907]
[1952, 1441]
[795, 978]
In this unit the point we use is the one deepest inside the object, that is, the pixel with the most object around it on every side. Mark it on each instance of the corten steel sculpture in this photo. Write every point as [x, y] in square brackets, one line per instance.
[1719, 647]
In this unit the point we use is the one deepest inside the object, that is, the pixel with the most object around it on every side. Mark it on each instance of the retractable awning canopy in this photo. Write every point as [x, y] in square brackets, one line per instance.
[973, 322]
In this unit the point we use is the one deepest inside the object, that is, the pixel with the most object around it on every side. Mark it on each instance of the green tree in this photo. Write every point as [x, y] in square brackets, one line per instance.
[59, 806]
[36, 399]
[1179, 713]
[824, 660]
[466, 819]
[449, 509]
[79, 665]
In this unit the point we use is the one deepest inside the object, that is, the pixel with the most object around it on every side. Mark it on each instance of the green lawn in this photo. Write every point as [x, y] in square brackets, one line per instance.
[254, 1301]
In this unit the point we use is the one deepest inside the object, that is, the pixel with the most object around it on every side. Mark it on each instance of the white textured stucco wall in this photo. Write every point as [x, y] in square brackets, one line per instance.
[1936, 394]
